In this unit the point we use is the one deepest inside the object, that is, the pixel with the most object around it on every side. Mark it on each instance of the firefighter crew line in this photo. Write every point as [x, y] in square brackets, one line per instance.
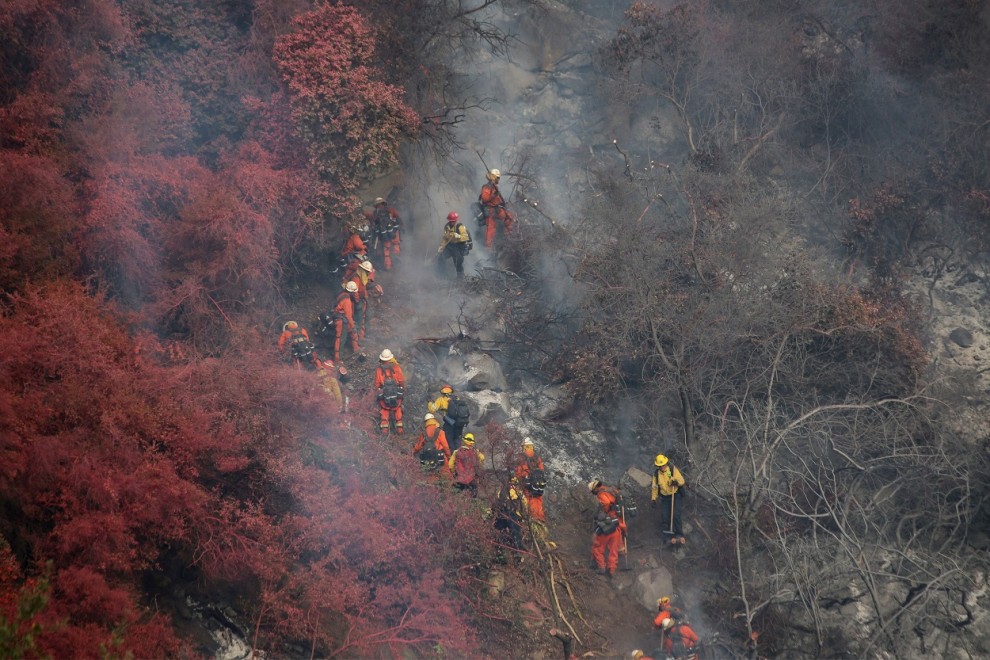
[448, 455]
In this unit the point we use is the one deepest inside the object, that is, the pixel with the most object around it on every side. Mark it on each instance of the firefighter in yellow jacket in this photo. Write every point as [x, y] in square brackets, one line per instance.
[667, 484]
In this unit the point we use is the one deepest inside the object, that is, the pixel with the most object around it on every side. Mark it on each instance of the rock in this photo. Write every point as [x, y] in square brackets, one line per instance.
[962, 337]
[474, 372]
[496, 583]
[642, 479]
[488, 406]
[652, 584]
[484, 373]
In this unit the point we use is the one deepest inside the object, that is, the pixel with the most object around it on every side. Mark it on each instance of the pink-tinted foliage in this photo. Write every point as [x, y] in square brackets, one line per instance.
[35, 220]
[350, 119]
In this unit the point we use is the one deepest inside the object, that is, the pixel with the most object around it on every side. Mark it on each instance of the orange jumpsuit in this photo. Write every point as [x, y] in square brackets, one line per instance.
[343, 312]
[361, 302]
[607, 546]
[530, 461]
[354, 245]
[435, 433]
[688, 638]
[493, 208]
[385, 412]
[288, 335]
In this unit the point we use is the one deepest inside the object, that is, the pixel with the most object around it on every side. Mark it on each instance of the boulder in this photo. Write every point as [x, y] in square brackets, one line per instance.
[484, 373]
[640, 478]
[962, 337]
[652, 584]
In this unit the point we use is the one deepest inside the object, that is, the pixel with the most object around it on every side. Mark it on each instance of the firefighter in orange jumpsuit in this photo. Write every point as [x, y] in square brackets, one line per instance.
[296, 339]
[362, 273]
[493, 208]
[386, 224]
[529, 471]
[390, 384]
[343, 318]
[665, 611]
[609, 529]
[354, 245]
[431, 448]
[679, 641]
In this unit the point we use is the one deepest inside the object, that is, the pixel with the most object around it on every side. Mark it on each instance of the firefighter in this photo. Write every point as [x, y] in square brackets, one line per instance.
[465, 465]
[327, 373]
[456, 243]
[679, 641]
[387, 228]
[431, 447]
[667, 482]
[510, 507]
[666, 611]
[529, 471]
[609, 529]
[362, 273]
[454, 411]
[355, 245]
[296, 340]
[390, 384]
[343, 319]
[493, 208]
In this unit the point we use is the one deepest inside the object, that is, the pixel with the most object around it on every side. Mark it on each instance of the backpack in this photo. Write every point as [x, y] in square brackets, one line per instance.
[465, 465]
[391, 391]
[605, 524]
[536, 481]
[470, 241]
[300, 346]
[458, 410]
[429, 455]
[677, 648]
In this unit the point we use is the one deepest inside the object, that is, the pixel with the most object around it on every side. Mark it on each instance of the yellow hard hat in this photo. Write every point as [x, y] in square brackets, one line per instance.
[637, 654]
[469, 439]
[663, 600]
[660, 461]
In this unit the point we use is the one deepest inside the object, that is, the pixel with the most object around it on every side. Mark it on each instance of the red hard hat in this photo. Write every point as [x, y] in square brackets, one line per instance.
[453, 215]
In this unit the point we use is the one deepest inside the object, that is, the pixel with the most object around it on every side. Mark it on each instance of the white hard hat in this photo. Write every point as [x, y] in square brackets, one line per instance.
[428, 416]
[495, 173]
[386, 355]
[527, 442]
[367, 265]
[594, 483]
[351, 287]
[379, 200]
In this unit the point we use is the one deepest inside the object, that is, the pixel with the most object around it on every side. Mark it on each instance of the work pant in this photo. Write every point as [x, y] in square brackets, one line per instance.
[453, 433]
[361, 317]
[388, 415]
[455, 252]
[510, 530]
[664, 505]
[390, 246]
[536, 508]
[472, 487]
[492, 215]
[605, 548]
[340, 327]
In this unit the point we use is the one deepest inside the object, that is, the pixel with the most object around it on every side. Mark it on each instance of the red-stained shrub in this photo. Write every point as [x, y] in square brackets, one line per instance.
[349, 118]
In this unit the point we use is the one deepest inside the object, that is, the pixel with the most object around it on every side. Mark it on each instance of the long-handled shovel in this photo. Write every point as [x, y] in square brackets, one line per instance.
[625, 545]
[671, 530]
